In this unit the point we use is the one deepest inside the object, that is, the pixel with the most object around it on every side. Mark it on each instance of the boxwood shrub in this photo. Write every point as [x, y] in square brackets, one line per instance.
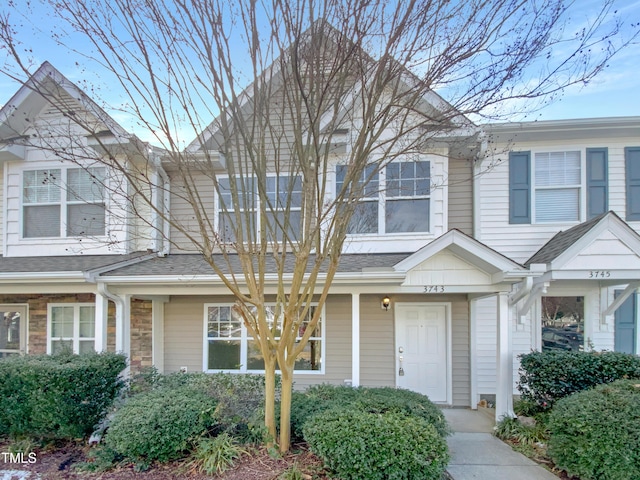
[360, 445]
[320, 398]
[62, 396]
[595, 434]
[161, 424]
[546, 377]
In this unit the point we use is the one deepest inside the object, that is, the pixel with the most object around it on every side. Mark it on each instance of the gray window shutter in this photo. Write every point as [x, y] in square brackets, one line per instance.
[632, 158]
[520, 187]
[597, 181]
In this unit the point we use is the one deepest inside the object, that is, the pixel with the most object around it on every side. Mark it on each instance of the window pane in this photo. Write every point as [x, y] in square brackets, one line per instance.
[41, 221]
[41, 186]
[310, 358]
[407, 215]
[224, 355]
[293, 223]
[85, 220]
[368, 181]
[255, 360]
[408, 179]
[61, 345]
[86, 185]
[86, 346]
[557, 169]
[87, 321]
[364, 219]
[62, 322]
[562, 323]
[284, 190]
[222, 323]
[9, 331]
[558, 205]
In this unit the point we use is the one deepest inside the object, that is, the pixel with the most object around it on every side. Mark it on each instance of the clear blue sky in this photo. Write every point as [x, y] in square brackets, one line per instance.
[615, 92]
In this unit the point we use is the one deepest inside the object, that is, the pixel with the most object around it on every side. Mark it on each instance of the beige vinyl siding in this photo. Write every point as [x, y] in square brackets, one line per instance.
[486, 331]
[460, 180]
[460, 355]
[184, 337]
[337, 359]
[184, 220]
[183, 333]
[377, 338]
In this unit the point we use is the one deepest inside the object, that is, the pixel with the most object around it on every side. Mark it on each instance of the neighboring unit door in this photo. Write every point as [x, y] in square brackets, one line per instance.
[421, 350]
[13, 330]
[625, 325]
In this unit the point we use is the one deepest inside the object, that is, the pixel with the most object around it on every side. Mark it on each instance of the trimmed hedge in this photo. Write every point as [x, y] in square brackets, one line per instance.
[62, 396]
[546, 377]
[320, 398]
[595, 434]
[160, 425]
[377, 446]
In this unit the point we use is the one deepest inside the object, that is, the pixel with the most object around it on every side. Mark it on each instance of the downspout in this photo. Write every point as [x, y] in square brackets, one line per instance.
[122, 307]
[159, 222]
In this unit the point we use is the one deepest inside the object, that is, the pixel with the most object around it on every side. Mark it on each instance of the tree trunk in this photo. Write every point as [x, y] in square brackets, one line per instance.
[270, 400]
[285, 408]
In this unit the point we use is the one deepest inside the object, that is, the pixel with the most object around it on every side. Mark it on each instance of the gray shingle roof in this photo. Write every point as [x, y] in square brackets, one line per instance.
[190, 264]
[70, 263]
[561, 241]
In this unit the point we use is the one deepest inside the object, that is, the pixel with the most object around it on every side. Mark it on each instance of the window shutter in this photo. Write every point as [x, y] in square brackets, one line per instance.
[632, 158]
[597, 182]
[520, 187]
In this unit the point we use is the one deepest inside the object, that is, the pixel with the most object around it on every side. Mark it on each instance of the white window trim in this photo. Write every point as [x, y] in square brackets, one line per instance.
[244, 345]
[255, 209]
[64, 203]
[582, 187]
[382, 199]
[76, 324]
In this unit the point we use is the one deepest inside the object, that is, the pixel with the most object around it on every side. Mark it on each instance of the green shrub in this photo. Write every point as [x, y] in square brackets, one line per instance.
[595, 434]
[214, 456]
[161, 424]
[370, 446]
[546, 377]
[240, 398]
[320, 398]
[61, 396]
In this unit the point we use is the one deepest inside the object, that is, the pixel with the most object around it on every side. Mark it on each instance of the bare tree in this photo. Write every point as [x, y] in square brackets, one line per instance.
[285, 98]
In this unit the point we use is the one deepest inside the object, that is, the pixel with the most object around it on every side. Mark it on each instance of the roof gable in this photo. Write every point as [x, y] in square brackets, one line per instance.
[47, 86]
[604, 242]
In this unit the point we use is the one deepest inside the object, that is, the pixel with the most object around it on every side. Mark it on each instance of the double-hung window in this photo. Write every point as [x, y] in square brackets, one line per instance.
[63, 202]
[71, 326]
[557, 186]
[397, 200]
[282, 206]
[229, 347]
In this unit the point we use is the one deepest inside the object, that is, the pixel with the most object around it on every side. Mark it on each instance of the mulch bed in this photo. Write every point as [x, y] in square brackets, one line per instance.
[60, 462]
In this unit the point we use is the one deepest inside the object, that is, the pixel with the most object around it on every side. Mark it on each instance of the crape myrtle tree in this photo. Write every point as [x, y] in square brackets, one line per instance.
[279, 93]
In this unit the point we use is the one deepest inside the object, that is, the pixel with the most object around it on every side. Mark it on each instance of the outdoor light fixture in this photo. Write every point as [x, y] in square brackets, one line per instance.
[386, 301]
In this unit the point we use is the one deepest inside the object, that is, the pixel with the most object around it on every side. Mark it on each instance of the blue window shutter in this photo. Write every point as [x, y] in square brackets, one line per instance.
[632, 159]
[597, 181]
[520, 187]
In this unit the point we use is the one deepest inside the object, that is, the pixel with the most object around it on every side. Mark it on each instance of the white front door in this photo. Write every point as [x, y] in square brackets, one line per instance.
[421, 350]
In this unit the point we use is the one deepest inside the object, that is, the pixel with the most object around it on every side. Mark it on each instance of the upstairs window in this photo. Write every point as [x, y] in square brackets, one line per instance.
[63, 202]
[283, 197]
[557, 186]
[396, 200]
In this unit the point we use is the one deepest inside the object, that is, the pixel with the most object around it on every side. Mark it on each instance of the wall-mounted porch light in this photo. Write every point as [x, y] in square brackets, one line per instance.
[385, 303]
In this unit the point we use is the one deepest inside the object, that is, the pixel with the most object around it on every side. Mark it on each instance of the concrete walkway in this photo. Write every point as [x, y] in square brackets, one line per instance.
[476, 454]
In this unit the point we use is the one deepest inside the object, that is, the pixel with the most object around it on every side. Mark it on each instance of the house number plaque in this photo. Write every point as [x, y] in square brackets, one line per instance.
[434, 289]
[599, 274]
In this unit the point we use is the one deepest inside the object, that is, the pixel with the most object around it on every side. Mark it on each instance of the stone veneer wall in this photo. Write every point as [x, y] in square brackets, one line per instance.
[141, 336]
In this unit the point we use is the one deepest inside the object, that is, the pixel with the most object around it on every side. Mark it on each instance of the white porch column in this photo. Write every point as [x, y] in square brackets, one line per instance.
[355, 339]
[504, 360]
[102, 307]
[157, 335]
[123, 325]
